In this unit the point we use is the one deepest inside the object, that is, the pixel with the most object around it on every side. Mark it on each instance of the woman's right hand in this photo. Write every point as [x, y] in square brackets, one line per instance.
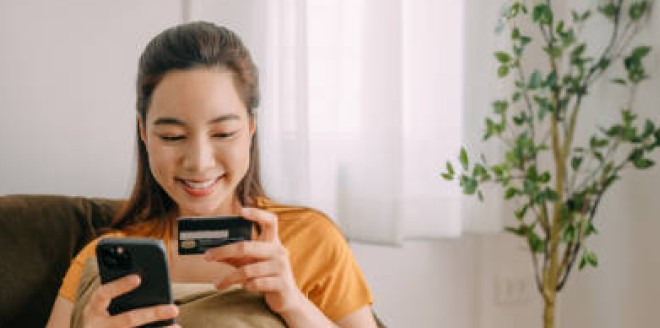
[96, 312]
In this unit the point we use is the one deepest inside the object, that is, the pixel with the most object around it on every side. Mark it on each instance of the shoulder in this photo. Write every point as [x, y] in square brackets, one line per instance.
[313, 240]
[299, 221]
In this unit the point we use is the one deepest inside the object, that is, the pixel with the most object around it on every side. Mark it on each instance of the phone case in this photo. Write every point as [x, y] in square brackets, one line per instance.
[118, 257]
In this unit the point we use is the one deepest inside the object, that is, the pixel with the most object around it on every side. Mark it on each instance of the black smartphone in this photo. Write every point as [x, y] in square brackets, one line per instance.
[146, 257]
[197, 234]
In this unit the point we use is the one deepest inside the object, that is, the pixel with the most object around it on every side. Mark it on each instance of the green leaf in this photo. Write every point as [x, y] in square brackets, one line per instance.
[608, 10]
[577, 52]
[519, 231]
[469, 185]
[575, 162]
[490, 128]
[502, 71]
[525, 40]
[542, 14]
[480, 172]
[640, 52]
[535, 80]
[515, 33]
[450, 168]
[536, 244]
[512, 191]
[649, 128]
[636, 154]
[551, 80]
[575, 16]
[619, 81]
[628, 116]
[503, 57]
[643, 163]
[598, 143]
[480, 196]
[521, 212]
[569, 234]
[554, 52]
[551, 195]
[592, 259]
[637, 9]
[590, 230]
[464, 159]
[500, 106]
[583, 262]
[516, 96]
[588, 257]
[628, 133]
[545, 177]
[614, 131]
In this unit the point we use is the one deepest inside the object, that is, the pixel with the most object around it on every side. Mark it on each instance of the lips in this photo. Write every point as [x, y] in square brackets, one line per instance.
[199, 188]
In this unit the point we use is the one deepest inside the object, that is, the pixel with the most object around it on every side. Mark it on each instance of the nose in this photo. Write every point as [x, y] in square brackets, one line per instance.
[199, 155]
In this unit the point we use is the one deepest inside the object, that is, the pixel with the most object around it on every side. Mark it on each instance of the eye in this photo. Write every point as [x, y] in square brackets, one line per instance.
[171, 138]
[224, 135]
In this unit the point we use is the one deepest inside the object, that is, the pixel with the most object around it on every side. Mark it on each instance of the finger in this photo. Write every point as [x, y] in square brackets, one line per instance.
[103, 295]
[264, 284]
[252, 271]
[244, 250]
[143, 316]
[266, 220]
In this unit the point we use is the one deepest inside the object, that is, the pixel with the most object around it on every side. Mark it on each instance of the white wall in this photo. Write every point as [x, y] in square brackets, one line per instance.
[66, 127]
[623, 291]
[67, 81]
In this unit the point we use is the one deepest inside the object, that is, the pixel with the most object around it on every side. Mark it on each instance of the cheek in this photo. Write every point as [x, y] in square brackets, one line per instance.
[239, 156]
[161, 161]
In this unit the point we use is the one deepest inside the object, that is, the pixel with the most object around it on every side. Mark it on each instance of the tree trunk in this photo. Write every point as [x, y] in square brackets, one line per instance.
[549, 310]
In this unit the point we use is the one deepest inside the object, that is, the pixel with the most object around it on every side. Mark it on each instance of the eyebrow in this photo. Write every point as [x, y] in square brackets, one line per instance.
[175, 121]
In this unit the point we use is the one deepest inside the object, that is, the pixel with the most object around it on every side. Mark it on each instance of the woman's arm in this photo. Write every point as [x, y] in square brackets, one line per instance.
[263, 266]
[60, 316]
[310, 316]
[96, 313]
[360, 318]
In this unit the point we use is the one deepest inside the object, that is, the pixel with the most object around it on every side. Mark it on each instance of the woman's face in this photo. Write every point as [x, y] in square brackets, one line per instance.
[198, 134]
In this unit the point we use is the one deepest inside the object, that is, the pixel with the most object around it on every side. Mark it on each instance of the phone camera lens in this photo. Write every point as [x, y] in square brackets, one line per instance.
[116, 258]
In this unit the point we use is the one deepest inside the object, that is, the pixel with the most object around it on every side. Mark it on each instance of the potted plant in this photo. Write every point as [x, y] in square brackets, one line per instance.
[556, 182]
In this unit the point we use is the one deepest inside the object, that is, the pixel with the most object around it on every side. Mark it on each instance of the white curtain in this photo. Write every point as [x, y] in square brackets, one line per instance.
[362, 106]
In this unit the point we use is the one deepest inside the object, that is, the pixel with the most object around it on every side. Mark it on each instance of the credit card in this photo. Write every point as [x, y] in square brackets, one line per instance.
[198, 234]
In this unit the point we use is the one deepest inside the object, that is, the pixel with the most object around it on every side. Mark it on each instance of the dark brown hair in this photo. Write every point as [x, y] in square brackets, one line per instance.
[184, 47]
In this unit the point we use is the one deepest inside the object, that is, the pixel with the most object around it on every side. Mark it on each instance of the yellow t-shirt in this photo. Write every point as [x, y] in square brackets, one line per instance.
[322, 263]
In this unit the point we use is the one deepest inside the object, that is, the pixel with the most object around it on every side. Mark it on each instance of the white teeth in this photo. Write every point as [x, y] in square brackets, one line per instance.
[199, 185]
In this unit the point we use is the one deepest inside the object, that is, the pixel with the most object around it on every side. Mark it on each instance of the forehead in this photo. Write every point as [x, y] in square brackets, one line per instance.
[195, 95]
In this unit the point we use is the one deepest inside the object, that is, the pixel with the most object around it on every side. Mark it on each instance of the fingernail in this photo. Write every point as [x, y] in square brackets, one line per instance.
[245, 211]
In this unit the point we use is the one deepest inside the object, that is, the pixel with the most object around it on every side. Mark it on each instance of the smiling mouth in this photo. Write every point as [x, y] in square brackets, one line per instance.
[199, 188]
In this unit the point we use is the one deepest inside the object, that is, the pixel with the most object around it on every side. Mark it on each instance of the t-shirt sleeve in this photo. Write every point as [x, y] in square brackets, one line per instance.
[340, 287]
[72, 278]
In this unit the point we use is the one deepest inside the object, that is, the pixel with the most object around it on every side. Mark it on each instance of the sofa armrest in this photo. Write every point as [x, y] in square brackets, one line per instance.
[39, 235]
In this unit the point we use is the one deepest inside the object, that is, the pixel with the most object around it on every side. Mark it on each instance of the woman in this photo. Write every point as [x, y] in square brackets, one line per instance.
[197, 90]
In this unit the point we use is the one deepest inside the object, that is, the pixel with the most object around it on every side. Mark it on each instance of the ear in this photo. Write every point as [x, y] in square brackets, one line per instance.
[142, 130]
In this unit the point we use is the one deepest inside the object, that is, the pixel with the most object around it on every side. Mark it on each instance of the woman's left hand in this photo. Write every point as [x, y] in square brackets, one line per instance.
[262, 265]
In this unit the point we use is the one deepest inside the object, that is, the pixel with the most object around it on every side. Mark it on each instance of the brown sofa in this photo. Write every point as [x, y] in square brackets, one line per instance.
[39, 235]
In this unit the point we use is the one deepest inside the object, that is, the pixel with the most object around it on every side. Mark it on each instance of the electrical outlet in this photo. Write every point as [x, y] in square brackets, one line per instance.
[512, 290]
